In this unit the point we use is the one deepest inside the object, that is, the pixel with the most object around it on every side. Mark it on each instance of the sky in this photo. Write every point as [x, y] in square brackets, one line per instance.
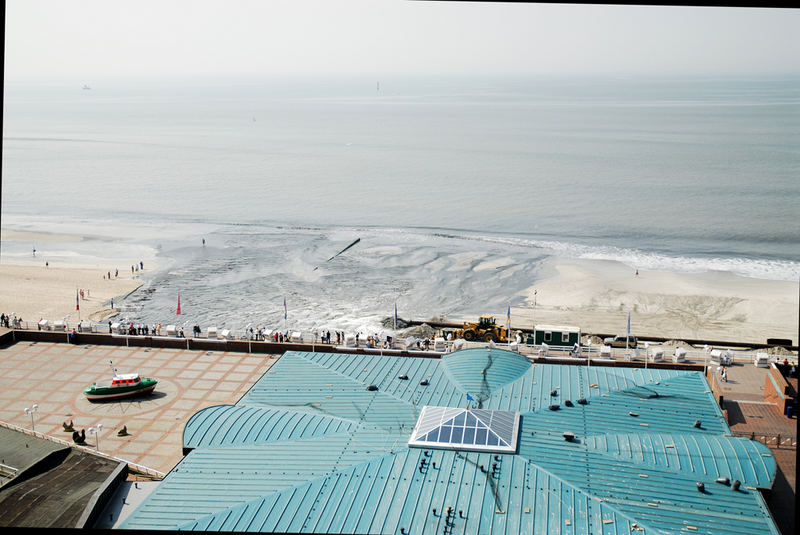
[89, 40]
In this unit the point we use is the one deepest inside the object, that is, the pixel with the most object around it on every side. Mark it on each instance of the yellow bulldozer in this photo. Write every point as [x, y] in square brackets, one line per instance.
[486, 329]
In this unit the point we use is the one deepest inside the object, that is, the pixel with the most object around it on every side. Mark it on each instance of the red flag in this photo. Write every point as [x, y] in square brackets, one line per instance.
[179, 304]
[77, 301]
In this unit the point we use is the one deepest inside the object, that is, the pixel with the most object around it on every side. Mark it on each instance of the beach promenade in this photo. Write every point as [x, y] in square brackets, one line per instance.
[53, 376]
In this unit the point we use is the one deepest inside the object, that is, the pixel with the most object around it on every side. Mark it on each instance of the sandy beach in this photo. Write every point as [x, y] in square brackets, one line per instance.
[32, 291]
[35, 292]
[597, 296]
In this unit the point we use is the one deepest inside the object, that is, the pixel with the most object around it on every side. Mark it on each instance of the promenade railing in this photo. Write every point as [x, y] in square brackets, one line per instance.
[183, 331]
[132, 466]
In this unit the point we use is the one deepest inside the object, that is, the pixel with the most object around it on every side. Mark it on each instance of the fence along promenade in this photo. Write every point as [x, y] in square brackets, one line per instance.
[238, 340]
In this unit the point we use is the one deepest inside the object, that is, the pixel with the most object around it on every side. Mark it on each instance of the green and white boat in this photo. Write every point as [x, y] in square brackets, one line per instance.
[120, 386]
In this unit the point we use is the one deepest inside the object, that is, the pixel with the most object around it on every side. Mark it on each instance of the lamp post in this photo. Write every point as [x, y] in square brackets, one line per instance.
[96, 430]
[30, 410]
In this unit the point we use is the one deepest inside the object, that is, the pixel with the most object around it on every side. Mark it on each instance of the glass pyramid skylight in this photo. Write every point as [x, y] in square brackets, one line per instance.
[466, 429]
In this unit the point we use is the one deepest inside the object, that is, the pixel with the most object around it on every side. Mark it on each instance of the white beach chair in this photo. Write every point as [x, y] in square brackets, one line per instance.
[727, 358]
[761, 360]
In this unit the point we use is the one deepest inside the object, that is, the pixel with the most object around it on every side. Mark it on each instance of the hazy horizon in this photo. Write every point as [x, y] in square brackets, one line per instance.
[97, 40]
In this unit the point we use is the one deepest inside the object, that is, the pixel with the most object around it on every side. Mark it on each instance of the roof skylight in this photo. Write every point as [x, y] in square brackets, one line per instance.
[466, 429]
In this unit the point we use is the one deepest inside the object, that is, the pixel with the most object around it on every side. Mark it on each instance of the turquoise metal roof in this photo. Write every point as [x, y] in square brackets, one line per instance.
[310, 448]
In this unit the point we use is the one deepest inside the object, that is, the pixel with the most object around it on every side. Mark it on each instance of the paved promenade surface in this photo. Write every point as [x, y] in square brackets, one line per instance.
[749, 414]
[54, 376]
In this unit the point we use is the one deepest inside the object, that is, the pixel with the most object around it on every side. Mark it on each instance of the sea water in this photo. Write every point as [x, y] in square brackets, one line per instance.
[461, 190]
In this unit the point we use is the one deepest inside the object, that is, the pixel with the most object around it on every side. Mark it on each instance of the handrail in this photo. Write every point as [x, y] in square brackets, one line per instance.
[132, 466]
[768, 439]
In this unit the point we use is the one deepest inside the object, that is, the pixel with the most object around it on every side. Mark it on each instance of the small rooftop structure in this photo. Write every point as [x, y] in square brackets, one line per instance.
[48, 485]
[325, 443]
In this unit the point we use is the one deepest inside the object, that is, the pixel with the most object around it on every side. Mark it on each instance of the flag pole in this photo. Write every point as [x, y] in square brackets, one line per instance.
[508, 326]
[627, 335]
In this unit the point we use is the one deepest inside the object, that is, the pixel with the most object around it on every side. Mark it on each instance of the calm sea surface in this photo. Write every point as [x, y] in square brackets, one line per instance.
[459, 189]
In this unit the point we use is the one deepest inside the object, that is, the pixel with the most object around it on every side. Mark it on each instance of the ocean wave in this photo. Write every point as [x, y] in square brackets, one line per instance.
[759, 268]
